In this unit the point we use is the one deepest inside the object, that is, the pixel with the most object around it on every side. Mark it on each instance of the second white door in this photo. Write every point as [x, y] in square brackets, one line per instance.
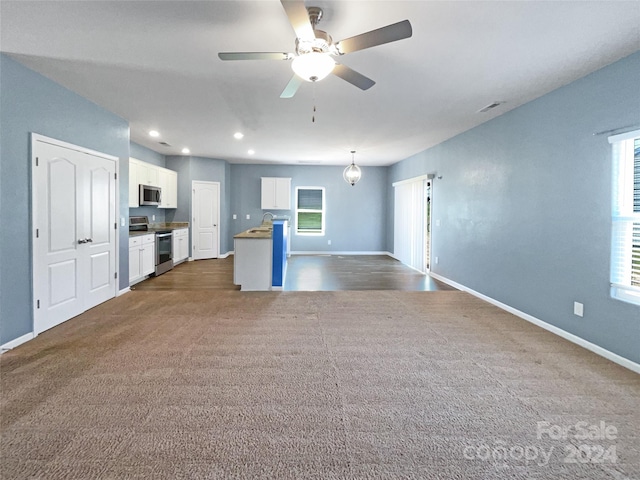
[205, 205]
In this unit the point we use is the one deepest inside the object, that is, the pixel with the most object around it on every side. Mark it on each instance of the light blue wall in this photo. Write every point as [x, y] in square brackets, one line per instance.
[145, 154]
[30, 103]
[525, 206]
[356, 218]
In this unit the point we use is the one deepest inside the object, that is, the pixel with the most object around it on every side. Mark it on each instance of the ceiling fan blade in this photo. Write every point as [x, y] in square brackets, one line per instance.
[380, 36]
[292, 87]
[353, 77]
[299, 18]
[254, 56]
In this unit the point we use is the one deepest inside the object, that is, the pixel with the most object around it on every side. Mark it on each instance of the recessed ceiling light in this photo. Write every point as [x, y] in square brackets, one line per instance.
[251, 152]
[186, 150]
[154, 133]
[238, 135]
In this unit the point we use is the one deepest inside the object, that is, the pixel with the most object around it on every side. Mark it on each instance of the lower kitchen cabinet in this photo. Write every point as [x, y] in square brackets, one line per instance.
[180, 245]
[142, 257]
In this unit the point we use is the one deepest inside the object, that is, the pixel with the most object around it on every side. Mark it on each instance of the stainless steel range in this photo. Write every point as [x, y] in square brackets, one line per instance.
[164, 239]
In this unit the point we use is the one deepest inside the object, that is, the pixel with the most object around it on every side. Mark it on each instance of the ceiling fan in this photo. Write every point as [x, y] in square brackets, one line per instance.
[312, 60]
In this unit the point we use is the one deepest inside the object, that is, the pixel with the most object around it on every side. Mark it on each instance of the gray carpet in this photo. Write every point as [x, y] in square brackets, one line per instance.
[326, 385]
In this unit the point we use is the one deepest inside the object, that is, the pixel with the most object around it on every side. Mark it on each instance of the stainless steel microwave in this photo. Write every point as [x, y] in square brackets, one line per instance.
[150, 195]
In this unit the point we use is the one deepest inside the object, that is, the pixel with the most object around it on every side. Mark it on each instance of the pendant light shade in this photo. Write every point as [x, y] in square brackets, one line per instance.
[313, 66]
[352, 173]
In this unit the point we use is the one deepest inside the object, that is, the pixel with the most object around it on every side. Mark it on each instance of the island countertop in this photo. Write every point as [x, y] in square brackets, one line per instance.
[261, 232]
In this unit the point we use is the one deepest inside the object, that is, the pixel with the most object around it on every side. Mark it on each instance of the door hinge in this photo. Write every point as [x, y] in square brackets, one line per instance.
[115, 275]
[38, 304]
[37, 233]
[115, 176]
[115, 225]
[37, 161]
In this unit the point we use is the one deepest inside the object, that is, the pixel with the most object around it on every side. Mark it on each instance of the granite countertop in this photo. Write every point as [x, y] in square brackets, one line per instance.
[264, 231]
[153, 227]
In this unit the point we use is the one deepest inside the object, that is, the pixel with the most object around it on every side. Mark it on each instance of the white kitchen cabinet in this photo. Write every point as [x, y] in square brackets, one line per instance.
[142, 257]
[134, 185]
[276, 193]
[143, 173]
[147, 174]
[168, 182]
[140, 173]
[180, 245]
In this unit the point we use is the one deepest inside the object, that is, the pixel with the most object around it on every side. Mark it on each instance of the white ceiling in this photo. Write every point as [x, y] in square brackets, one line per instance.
[155, 64]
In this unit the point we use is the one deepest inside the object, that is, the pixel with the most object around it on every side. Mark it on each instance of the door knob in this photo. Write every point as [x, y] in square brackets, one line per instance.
[82, 240]
[89, 240]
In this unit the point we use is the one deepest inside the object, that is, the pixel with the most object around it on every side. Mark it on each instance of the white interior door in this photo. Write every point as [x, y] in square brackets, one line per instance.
[74, 241]
[205, 206]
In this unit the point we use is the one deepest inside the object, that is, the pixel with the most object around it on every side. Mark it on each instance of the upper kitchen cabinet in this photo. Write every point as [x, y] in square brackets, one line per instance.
[146, 173]
[168, 180]
[143, 173]
[276, 193]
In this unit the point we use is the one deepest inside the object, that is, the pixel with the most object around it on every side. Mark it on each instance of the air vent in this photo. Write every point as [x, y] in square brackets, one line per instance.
[491, 106]
[165, 144]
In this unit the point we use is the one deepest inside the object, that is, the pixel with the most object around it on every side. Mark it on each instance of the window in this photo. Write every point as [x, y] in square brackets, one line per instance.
[625, 231]
[310, 210]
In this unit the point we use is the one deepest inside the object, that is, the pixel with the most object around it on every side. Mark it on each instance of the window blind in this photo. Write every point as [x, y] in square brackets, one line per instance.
[310, 199]
[409, 223]
[625, 232]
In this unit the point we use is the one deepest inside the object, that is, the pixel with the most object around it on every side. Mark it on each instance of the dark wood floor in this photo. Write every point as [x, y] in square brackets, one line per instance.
[304, 273]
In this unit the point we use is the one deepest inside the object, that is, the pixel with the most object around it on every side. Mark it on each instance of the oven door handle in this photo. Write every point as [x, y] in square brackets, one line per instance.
[160, 235]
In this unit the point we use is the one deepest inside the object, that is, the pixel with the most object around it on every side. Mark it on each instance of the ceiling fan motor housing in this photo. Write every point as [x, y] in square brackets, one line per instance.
[323, 43]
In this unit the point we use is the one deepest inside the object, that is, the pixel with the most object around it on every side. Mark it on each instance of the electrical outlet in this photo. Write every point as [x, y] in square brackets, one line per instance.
[328, 242]
[248, 217]
[437, 222]
[437, 260]
[153, 218]
[235, 217]
[578, 309]
[122, 220]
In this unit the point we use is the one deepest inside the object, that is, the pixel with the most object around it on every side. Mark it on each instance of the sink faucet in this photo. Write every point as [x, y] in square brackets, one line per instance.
[264, 216]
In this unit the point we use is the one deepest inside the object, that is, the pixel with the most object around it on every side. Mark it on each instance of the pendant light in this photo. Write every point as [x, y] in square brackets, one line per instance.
[352, 173]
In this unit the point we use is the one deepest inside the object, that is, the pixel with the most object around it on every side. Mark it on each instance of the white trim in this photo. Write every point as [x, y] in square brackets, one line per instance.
[331, 252]
[225, 255]
[624, 136]
[71, 146]
[428, 176]
[598, 350]
[17, 342]
[123, 291]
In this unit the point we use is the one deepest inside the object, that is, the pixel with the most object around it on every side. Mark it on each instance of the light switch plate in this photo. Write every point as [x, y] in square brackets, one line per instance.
[578, 309]
[248, 217]
[235, 217]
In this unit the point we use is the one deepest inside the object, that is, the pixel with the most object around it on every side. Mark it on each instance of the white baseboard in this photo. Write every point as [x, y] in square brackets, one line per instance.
[17, 342]
[123, 291]
[225, 255]
[332, 252]
[614, 357]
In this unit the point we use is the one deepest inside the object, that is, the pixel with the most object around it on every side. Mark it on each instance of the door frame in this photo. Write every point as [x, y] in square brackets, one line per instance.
[35, 138]
[193, 191]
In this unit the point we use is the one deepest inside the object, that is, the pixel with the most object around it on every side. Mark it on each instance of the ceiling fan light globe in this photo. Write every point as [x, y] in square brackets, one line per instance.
[313, 66]
[352, 174]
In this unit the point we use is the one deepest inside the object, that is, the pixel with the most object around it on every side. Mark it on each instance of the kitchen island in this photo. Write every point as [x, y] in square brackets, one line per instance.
[253, 260]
